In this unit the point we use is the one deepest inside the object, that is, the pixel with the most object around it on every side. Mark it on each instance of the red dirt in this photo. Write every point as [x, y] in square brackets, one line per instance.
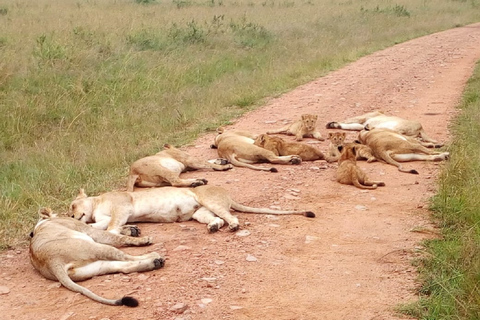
[353, 261]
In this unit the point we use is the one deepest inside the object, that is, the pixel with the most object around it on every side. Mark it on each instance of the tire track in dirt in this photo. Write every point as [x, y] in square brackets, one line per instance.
[351, 262]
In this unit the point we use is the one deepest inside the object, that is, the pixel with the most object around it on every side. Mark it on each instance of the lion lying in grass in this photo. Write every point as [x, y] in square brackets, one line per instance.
[377, 119]
[392, 148]
[68, 250]
[207, 204]
[164, 168]
[239, 149]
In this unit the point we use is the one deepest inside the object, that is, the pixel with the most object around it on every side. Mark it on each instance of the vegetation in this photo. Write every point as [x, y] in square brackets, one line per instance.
[86, 87]
[451, 272]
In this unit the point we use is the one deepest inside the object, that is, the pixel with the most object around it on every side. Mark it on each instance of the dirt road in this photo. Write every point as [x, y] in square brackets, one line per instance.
[353, 261]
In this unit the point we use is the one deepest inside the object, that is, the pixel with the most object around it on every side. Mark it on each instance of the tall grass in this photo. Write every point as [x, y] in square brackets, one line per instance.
[86, 87]
[451, 273]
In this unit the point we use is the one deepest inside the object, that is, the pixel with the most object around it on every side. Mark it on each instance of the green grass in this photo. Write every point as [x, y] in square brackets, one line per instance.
[87, 87]
[451, 272]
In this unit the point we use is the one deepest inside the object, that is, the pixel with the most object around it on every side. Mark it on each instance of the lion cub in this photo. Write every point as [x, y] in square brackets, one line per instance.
[338, 139]
[305, 127]
[285, 148]
[349, 173]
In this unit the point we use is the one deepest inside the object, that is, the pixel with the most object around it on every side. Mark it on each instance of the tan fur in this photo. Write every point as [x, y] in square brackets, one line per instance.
[164, 168]
[377, 119]
[392, 148]
[338, 139]
[305, 127]
[207, 204]
[284, 148]
[68, 250]
[239, 149]
[349, 173]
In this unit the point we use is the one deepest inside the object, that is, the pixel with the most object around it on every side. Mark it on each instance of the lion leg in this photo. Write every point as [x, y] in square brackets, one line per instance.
[116, 240]
[317, 135]
[112, 260]
[196, 164]
[217, 201]
[238, 163]
[203, 215]
[132, 179]
[420, 157]
[272, 158]
[424, 137]
[388, 159]
[281, 130]
[174, 179]
[345, 126]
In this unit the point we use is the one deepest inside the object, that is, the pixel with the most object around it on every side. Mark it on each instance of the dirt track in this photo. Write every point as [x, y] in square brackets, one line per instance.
[353, 261]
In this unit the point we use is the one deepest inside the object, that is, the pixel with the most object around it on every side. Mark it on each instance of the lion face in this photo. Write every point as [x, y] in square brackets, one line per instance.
[81, 208]
[337, 138]
[309, 121]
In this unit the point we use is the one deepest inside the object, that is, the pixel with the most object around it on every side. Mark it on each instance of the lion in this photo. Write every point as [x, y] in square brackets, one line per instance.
[392, 148]
[239, 149]
[305, 127]
[378, 119]
[280, 147]
[68, 250]
[337, 139]
[349, 173]
[164, 168]
[207, 204]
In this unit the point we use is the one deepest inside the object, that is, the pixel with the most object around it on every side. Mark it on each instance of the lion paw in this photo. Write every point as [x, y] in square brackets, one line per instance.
[234, 227]
[296, 160]
[213, 228]
[199, 182]
[158, 263]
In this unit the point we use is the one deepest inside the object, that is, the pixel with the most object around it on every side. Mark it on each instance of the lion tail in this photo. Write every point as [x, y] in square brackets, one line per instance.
[62, 276]
[242, 208]
[233, 160]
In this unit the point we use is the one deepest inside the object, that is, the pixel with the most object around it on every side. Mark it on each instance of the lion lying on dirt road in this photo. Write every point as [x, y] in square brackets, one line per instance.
[280, 147]
[238, 148]
[392, 148]
[337, 139]
[377, 119]
[349, 173]
[68, 250]
[206, 204]
[164, 168]
[305, 127]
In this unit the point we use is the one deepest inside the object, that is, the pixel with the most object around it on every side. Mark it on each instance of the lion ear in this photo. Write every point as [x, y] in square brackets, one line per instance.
[304, 116]
[45, 213]
[343, 134]
[81, 194]
[315, 116]
[167, 146]
[330, 134]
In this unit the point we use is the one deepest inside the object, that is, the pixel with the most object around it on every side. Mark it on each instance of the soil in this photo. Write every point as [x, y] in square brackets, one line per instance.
[353, 261]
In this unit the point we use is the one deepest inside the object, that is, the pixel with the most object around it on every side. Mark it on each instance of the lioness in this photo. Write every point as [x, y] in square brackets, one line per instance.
[349, 173]
[164, 168]
[206, 204]
[392, 148]
[305, 127]
[284, 148]
[377, 119]
[238, 148]
[337, 139]
[68, 250]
